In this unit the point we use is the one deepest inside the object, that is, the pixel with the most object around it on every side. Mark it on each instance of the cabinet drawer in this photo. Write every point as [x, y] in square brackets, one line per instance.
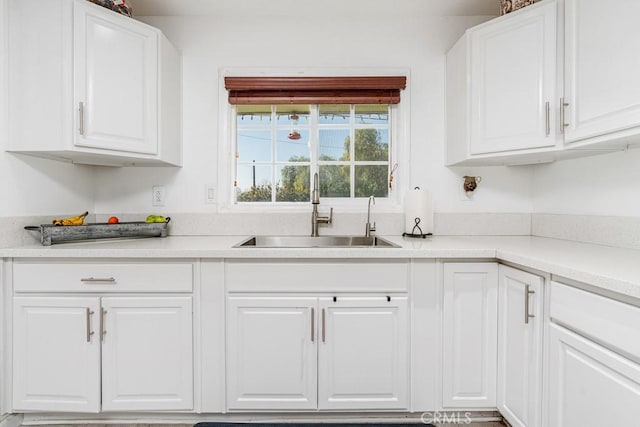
[94, 276]
[317, 276]
[610, 322]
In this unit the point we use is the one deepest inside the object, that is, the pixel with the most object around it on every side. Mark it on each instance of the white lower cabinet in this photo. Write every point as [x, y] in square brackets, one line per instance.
[87, 354]
[589, 384]
[470, 327]
[363, 353]
[594, 360]
[317, 353]
[520, 320]
[147, 357]
[56, 355]
[271, 353]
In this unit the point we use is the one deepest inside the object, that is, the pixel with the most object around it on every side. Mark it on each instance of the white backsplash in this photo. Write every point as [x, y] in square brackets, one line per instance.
[482, 224]
[603, 230]
[296, 223]
[618, 231]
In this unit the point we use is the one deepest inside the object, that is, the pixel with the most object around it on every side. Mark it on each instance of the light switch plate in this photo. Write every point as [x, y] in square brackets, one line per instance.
[210, 193]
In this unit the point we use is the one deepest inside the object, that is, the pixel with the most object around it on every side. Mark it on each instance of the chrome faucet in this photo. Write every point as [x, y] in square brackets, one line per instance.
[315, 217]
[368, 227]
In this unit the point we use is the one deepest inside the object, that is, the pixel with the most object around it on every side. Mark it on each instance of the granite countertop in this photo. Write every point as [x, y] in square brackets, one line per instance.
[611, 269]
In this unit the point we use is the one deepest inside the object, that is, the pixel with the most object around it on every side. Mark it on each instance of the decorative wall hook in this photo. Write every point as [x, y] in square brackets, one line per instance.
[471, 183]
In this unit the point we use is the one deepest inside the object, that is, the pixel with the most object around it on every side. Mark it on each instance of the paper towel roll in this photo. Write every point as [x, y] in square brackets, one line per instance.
[418, 208]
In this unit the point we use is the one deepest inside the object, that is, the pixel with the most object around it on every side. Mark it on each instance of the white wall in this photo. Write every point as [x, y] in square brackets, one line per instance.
[308, 36]
[31, 186]
[606, 184]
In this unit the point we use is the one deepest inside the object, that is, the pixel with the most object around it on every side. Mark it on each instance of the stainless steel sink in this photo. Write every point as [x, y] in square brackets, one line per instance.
[315, 242]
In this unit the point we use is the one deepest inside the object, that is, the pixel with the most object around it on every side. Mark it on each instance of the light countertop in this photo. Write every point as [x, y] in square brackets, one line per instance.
[608, 268]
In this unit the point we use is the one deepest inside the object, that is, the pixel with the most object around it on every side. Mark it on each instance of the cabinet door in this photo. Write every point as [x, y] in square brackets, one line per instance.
[147, 353]
[56, 354]
[602, 88]
[470, 335]
[363, 354]
[271, 353]
[590, 385]
[513, 81]
[520, 347]
[116, 81]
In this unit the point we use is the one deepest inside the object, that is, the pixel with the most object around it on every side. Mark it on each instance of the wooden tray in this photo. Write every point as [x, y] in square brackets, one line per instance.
[50, 234]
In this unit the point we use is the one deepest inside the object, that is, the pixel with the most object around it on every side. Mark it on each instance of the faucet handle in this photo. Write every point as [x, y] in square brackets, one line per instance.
[330, 220]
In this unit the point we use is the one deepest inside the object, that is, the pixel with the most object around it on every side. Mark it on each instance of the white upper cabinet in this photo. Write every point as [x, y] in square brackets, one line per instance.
[116, 80]
[88, 85]
[554, 80]
[501, 87]
[602, 65]
[512, 82]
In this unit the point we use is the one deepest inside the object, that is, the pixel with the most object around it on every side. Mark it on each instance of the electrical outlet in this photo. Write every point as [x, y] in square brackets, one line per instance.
[210, 194]
[158, 195]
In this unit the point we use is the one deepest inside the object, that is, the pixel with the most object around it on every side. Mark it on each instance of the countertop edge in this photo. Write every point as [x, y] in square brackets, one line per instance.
[608, 268]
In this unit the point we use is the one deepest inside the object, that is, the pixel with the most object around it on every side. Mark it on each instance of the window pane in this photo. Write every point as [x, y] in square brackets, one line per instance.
[372, 114]
[334, 144]
[334, 114]
[334, 181]
[254, 183]
[372, 145]
[254, 115]
[371, 181]
[293, 150]
[254, 145]
[293, 184]
[295, 115]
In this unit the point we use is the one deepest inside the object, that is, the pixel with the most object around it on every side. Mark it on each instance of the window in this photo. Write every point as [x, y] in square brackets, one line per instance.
[280, 145]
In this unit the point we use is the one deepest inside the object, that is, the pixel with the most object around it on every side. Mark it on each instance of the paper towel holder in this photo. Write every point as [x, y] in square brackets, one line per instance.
[416, 231]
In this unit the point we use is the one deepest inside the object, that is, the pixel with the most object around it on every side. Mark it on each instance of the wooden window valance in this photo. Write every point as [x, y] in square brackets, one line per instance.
[315, 90]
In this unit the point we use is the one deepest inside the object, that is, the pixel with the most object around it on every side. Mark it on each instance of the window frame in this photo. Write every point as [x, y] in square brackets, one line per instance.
[399, 150]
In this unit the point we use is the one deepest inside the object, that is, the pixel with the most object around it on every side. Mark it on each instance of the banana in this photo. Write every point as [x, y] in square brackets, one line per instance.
[74, 220]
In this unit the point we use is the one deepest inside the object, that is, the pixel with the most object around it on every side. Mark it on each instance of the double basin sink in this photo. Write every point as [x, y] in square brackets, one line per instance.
[315, 242]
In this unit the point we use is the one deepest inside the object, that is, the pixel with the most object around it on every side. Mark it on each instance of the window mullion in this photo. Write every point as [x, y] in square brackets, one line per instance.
[352, 150]
[274, 135]
[314, 141]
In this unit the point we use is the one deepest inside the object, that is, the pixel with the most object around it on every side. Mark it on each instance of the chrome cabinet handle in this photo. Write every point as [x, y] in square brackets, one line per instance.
[548, 118]
[563, 105]
[313, 324]
[527, 293]
[323, 326]
[81, 124]
[90, 280]
[89, 313]
[103, 332]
